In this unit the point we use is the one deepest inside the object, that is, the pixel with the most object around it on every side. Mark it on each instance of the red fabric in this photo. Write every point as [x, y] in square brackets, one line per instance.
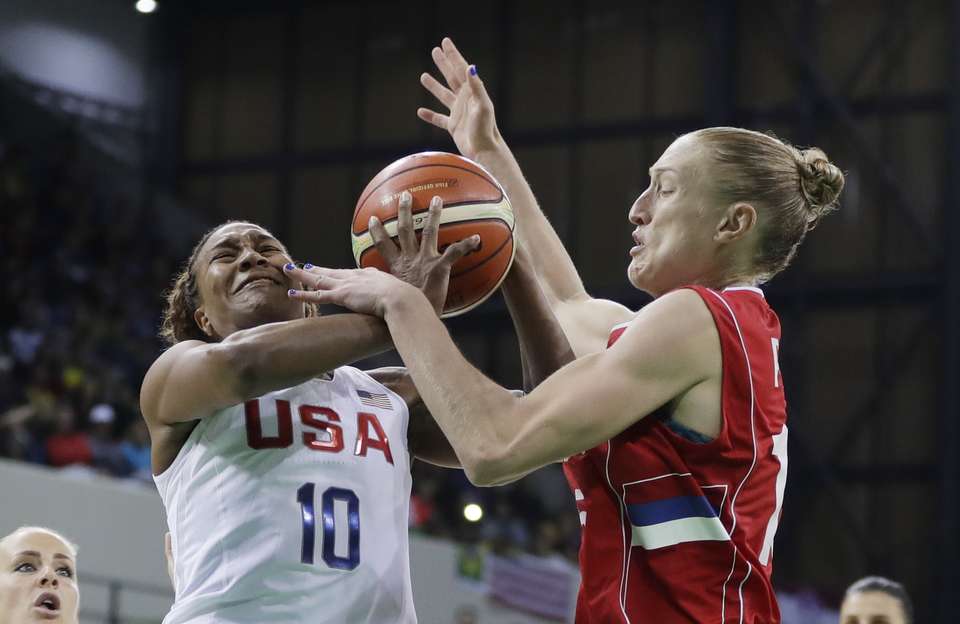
[690, 581]
[70, 448]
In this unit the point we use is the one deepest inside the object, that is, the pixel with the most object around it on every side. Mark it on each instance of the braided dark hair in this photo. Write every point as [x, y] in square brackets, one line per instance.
[183, 299]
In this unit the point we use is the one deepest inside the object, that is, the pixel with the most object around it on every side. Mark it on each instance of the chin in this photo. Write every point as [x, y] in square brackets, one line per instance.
[261, 311]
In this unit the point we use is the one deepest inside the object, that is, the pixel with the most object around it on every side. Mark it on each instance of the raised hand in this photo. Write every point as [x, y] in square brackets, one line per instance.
[471, 121]
[421, 265]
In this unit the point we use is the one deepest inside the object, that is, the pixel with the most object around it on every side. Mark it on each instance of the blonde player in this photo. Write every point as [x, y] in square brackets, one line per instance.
[38, 577]
[286, 474]
[671, 426]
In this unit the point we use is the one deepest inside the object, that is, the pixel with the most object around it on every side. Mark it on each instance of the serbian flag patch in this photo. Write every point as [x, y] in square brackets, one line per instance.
[672, 510]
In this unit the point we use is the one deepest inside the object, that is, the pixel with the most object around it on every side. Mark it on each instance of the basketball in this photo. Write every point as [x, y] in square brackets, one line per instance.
[473, 203]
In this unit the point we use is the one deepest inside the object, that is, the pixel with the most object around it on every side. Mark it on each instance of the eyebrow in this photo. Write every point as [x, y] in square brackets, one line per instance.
[33, 553]
[231, 241]
[655, 170]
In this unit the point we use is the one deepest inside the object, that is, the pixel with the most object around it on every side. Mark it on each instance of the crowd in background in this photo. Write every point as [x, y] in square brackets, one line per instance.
[84, 272]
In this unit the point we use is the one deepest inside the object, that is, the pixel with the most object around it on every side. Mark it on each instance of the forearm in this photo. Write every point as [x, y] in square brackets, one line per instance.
[544, 347]
[551, 261]
[280, 355]
[476, 415]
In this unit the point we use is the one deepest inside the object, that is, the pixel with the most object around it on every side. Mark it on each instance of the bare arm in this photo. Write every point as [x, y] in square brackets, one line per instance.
[670, 348]
[194, 379]
[472, 125]
[544, 347]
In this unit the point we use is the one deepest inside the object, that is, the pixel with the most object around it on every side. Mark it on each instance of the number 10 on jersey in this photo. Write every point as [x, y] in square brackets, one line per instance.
[305, 496]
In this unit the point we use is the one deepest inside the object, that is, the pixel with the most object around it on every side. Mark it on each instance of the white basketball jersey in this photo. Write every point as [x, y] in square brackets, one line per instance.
[293, 508]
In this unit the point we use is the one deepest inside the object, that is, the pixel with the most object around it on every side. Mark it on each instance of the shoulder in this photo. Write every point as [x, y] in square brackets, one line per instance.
[397, 380]
[677, 329]
[676, 312]
[157, 375]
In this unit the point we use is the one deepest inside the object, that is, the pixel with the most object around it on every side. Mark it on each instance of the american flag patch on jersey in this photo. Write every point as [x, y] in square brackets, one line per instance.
[374, 399]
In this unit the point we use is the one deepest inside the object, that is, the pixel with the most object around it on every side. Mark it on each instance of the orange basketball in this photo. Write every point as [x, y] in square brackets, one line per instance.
[473, 203]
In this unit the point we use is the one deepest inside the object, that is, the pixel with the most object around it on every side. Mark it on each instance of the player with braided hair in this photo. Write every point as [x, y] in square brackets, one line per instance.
[285, 473]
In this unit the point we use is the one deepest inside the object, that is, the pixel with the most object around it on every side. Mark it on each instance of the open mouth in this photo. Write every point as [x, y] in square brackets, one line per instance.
[48, 602]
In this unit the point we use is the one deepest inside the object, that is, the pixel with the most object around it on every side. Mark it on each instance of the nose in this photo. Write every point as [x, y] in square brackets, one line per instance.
[639, 211]
[250, 258]
[49, 578]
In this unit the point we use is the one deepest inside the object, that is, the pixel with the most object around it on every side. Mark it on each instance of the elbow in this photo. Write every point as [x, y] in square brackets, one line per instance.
[237, 365]
[488, 467]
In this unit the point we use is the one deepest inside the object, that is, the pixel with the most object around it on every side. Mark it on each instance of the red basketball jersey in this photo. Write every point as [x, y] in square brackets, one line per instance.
[679, 531]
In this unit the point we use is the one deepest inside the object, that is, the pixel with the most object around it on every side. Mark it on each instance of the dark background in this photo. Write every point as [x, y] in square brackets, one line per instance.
[280, 112]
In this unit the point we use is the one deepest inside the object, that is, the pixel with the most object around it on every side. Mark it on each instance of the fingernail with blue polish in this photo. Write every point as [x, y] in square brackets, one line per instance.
[292, 292]
[289, 266]
[307, 266]
[473, 70]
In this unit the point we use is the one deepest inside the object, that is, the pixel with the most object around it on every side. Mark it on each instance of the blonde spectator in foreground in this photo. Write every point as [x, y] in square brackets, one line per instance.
[38, 577]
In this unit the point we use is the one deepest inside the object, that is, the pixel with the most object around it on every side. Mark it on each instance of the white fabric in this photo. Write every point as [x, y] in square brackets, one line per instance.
[237, 523]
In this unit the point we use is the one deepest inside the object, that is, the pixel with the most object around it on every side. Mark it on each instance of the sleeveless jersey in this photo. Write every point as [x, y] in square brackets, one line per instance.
[293, 508]
[679, 531]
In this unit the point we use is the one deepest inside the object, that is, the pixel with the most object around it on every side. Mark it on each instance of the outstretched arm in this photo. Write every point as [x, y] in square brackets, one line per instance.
[471, 123]
[498, 437]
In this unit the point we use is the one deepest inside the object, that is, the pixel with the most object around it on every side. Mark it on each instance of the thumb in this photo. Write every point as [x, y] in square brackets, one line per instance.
[460, 249]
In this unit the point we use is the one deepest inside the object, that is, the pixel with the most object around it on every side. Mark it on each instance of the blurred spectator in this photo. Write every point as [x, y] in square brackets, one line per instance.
[876, 599]
[107, 454]
[136, 450]
[505, 530]
[68, 446]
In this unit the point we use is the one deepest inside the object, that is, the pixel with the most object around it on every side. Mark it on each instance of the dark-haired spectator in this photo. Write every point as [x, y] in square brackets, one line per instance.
[875, 600]
[68, 446]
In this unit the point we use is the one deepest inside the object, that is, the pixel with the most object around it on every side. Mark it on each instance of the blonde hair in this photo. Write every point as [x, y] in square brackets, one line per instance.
[792, 189]
[38, 529]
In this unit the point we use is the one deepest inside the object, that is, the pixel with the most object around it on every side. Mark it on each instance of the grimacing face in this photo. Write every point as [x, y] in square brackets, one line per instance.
[241, 281]
[871, 607]
[679, 235]
[38, 580]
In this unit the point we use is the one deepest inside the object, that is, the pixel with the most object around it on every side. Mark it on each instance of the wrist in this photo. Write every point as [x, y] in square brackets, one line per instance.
[403, 298]
[493, 153]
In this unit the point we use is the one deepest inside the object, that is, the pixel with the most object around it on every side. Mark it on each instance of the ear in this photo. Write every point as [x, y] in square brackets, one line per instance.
[200, 317]
[736, 222]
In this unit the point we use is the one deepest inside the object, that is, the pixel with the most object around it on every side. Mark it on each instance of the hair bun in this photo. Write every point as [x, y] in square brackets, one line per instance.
[820, 183]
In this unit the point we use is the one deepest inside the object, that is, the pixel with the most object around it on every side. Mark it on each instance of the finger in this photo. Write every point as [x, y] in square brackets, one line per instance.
[453, 77]
[431, 84]
[428, 242]
[479, 92]
[454, 57]
[382, 241]
[408, 239]
[433, 118]
[313, 276]
[306, 275]
[329, 295]
[461, 248]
